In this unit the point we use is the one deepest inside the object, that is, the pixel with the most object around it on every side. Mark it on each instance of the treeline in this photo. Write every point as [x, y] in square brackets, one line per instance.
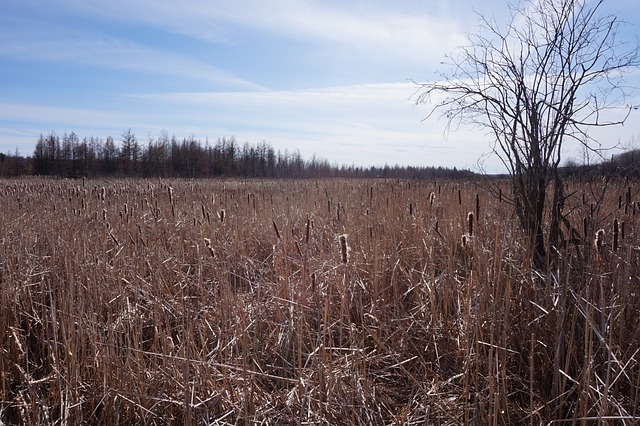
[626, 164]
[163, 157]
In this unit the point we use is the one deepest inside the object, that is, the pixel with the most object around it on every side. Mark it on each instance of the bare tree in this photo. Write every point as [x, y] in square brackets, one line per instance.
[556, 70]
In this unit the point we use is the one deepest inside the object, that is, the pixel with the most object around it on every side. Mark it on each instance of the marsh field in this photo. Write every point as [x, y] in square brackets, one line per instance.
[367, 302]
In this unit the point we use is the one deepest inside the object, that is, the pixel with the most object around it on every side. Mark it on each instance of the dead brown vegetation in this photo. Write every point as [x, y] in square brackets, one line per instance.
[243, 302]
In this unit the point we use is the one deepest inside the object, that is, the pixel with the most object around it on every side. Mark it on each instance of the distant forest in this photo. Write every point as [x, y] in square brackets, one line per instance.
[69, 156]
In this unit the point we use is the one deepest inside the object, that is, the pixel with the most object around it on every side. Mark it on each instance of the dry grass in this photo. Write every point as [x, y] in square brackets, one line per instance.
[228, 302]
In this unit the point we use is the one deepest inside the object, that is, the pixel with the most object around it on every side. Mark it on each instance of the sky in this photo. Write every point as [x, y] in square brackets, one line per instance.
[329, 78]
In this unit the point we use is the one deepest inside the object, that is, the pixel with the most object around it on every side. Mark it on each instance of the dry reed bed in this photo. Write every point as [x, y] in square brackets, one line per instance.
[234, 302]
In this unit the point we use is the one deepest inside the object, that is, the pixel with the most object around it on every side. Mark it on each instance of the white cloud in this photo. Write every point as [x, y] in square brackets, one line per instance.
[374, 29]
[49, 42]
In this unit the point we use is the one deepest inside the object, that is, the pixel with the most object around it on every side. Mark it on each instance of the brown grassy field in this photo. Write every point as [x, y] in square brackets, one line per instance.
[235, 302]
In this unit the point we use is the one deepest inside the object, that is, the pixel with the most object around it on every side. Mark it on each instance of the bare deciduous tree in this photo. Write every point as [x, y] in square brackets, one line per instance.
[556, 70]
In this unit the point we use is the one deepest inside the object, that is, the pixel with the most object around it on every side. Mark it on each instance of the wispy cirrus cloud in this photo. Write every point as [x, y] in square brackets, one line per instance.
[28, 40]
[372, 29]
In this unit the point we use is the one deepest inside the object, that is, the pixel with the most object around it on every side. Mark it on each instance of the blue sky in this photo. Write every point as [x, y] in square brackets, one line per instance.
[331, 78]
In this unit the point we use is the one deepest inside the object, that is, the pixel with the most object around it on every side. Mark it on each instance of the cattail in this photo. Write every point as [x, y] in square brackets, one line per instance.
[104, 214]
[410, 209]
[615, 234]
[470, 223]
[599, 241]
[207, 242]
[459, 197]
[465, 240]
[170, 189]
[432, 197]
[275, 227]
[477, 206]
[222, 213]
[344, 248]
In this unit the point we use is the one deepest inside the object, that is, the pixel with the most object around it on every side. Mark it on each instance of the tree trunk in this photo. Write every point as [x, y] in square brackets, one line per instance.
[539, 248]
[556, 215]
[530, 202]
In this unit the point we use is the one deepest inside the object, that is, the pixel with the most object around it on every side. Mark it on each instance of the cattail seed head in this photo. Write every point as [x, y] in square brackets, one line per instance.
[470, 223]
[275, 228]
[344, 248]
[222, 214]
[599, 241]
[207, 243]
